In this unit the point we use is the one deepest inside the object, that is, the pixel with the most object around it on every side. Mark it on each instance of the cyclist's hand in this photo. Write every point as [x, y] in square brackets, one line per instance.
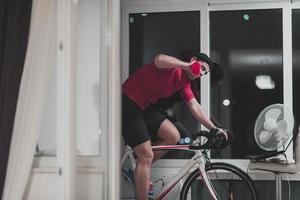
[223, 137]
[222, 133]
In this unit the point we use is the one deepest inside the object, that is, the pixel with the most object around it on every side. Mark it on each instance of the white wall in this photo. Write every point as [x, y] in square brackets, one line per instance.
[44, 186]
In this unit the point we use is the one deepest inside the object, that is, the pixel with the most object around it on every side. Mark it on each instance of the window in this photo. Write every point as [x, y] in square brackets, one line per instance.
[247, 44]
[47, 144]
[88, 79]
[87, 88]
[172, 33]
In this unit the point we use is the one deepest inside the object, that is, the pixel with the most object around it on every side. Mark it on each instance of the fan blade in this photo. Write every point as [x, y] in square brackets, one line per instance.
[273, 113]
[270, 124]
[283, 130]
[264, 136]
[282, 126]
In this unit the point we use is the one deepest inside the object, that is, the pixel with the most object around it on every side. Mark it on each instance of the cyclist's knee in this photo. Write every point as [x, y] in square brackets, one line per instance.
[146, 157]
[168, 133]
[171, 137]
[175, 138]
[144, 153]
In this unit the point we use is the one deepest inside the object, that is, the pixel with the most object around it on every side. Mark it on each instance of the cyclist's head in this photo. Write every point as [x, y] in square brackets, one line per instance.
[191, 55]
[204, 58]
[206, 66]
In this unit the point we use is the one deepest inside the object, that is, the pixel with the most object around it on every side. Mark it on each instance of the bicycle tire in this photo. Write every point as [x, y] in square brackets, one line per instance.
[127, 188]
[234, 184]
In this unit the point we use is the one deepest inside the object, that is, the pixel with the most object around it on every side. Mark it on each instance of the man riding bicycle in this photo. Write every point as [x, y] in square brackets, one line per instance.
[161, 79]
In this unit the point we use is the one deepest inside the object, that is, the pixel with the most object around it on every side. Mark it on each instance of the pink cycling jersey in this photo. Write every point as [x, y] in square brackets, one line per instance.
[149, 84]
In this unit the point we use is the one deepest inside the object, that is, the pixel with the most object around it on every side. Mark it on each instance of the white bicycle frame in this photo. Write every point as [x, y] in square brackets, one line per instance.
[197, 160]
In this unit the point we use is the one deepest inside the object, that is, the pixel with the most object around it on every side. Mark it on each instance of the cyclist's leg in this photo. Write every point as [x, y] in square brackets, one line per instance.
[161, 129]
[142, 171]
[136, 135]
[167, 134]
[182, 129]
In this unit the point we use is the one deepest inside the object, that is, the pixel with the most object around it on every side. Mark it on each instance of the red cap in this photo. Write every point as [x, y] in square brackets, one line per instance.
[196, 68]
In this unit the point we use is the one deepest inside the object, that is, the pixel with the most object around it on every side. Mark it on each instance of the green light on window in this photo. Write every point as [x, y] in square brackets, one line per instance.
[246, 17]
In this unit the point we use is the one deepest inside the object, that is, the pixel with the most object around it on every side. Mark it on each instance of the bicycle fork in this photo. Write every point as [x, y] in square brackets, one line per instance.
[206, 181]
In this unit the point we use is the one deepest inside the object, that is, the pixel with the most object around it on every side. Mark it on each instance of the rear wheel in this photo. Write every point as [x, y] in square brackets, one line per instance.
[229, 182]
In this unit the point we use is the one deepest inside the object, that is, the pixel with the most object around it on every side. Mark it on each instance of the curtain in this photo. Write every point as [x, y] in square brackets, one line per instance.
[39, 66]
[14, 29]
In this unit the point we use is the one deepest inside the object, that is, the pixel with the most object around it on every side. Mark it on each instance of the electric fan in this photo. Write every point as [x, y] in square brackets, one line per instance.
[274, 127]
[273, 131]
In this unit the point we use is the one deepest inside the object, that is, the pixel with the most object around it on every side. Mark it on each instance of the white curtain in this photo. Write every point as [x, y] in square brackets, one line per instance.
[39, 66]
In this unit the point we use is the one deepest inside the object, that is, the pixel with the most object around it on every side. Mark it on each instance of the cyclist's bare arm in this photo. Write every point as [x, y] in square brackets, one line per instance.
[163, 61]
[199, 114]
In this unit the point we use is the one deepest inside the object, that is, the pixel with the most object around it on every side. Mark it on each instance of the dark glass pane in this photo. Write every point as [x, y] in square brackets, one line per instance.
[248, 46]
[172, 33]
[296, 66]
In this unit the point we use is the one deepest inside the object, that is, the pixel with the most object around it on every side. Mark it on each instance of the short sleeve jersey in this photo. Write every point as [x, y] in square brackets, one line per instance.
[149, 84]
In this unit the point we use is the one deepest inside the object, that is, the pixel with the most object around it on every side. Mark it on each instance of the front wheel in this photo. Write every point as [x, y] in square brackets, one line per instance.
[228, 181]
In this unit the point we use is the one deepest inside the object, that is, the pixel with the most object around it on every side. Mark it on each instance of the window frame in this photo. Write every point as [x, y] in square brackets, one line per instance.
[204, 7]
[129, 7]
[55, 163]
[287, 47]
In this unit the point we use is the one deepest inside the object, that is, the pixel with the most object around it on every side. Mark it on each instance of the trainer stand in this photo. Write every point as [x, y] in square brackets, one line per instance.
[278, 168]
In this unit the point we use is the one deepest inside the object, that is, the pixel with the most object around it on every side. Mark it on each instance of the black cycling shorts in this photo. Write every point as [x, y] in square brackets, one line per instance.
[153, 118]
[139, 126]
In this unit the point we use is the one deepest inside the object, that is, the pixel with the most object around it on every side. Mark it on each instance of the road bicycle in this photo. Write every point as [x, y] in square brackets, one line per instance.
[202, 178]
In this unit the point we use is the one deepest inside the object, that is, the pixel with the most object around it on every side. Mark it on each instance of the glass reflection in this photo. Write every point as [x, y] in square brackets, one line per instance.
[247, 44]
